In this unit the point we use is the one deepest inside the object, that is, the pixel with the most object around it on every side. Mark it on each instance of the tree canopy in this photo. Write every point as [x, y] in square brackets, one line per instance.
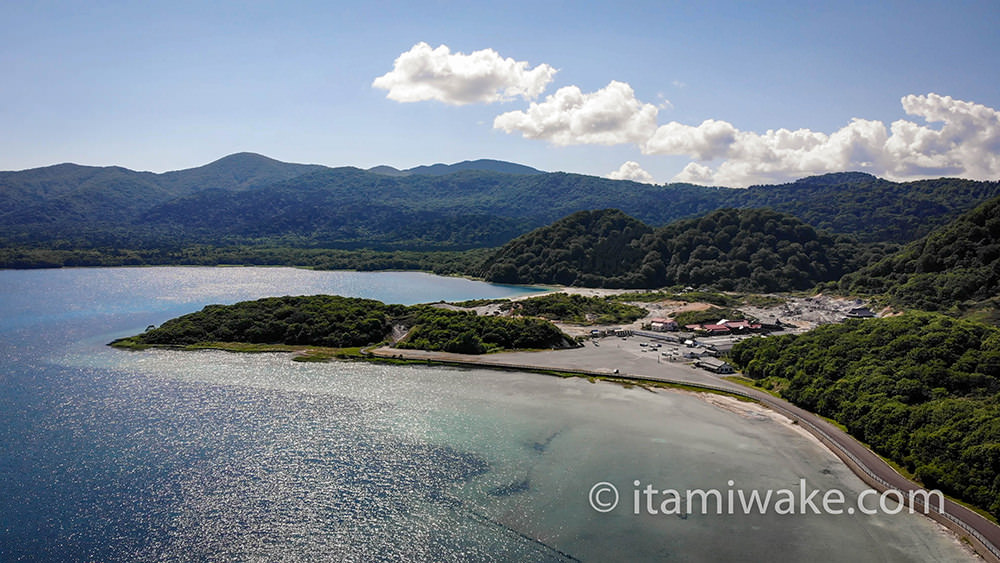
[251, 200]
[922, 389]
[956, 263]
[727, 249]
[341, 322]
[579, 309]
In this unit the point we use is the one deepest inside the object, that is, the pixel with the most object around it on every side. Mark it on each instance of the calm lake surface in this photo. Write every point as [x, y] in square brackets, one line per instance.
[109, 455]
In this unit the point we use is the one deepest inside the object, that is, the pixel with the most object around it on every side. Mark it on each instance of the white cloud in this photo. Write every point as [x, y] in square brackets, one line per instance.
[425, 73]
[966, 145]
[609, 116]
[955, 137]
[707, 141]
[695, 173]
[631, 171]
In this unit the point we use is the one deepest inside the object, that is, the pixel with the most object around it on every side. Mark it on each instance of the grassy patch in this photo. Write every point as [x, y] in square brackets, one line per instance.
[469, 303]
[327, 354]
[243, 347]
[129, 343]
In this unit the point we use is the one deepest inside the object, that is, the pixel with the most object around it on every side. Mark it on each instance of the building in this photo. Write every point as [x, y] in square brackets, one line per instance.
[724, 327]
[860, 313]
[740, 326]
[662, 325]
[714, 365]
[698, 354]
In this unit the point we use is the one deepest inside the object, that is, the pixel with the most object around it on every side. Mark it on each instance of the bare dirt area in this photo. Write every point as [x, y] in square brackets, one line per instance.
[805, 313]
[796, 312]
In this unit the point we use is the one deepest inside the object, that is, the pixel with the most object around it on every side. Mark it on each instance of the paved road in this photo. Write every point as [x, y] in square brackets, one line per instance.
[635, 362]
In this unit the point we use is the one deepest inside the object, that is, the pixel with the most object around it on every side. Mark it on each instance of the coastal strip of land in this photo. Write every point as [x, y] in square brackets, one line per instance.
[622, 359]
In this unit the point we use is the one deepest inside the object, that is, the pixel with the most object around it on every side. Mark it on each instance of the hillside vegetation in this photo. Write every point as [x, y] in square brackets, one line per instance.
[729, 249]
[342, 322]
[922, 389]
[442, 262]
[954, 265]
[869, 208]
[578, 309]
[251, 200]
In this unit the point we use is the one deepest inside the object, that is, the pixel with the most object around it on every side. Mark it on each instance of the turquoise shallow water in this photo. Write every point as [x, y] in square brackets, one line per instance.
[171, 456]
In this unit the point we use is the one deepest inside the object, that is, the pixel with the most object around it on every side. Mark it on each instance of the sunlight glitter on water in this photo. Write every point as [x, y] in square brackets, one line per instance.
[174, 456]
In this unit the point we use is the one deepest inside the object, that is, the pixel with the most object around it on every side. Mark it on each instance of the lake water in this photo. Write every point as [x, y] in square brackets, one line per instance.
[109, 455]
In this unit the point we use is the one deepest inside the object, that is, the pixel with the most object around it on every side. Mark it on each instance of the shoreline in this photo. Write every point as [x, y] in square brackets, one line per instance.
[967, 525]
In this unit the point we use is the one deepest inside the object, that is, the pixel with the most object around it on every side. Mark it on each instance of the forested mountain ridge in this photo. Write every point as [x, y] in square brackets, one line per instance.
[955, 264]
[248, 199]
[872, 209]
[54, 200]
[349, 206]
[859, 204]
[727, 249]
[483, 165]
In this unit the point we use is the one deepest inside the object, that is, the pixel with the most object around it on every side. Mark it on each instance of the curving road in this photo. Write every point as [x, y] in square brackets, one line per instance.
[634, 362]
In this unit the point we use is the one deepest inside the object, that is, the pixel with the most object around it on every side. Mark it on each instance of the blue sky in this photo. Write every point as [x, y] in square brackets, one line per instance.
[725, 93]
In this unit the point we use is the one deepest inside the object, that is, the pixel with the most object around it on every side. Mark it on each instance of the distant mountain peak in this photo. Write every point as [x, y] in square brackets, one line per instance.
[440, 169]
[837, 178]
[386, 170]
[245, 159]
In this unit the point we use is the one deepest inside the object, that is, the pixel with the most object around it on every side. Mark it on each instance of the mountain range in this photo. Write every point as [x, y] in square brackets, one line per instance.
[249, 199]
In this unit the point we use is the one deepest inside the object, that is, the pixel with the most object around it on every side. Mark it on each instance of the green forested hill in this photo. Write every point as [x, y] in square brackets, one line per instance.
[957, 263]
[51, 202]
[335, 321]
[251, 200]
[348, 207]
[483, 164]
[870, 208]
[728, 249]
[922, 389]
[588, 248]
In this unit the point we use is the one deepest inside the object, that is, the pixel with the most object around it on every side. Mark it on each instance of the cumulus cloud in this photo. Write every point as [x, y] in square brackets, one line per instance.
[707, 141]
[631, 171]
[695, 173]
[426, 73]
[609, 116]
[953, 138]
[967, 144]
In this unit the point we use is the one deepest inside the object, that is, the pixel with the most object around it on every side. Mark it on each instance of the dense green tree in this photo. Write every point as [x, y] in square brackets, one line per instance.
[578, 309]
[335, 321]
[922, 389]
[252, 200]
[728, 249]
[955, 264]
